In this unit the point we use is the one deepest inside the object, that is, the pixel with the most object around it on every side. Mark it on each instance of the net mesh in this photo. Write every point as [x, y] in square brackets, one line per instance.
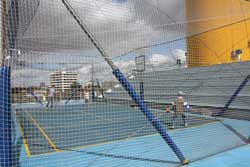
[68, 109]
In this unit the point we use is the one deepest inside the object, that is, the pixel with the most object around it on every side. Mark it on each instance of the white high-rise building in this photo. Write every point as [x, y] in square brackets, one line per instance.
[62, 80]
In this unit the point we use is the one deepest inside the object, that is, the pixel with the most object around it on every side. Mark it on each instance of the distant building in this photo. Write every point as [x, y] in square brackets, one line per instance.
[42, 84]
[63, 80]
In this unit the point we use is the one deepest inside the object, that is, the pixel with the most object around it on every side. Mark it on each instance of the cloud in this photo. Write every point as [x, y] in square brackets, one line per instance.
[118, 27]
[125, 64]
[120, 11]
[180, 54]
[85, 70]
[29, 77]
[159, 59]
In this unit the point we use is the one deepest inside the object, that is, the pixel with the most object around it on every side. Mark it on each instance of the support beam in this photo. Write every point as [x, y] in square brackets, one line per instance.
[5, 117]
[235, 94]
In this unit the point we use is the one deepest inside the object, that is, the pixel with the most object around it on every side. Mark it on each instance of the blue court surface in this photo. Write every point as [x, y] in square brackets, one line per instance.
[237, 157]
[220, 147]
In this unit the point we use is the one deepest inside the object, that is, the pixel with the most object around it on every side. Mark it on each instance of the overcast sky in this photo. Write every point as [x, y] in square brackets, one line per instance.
[119, 26]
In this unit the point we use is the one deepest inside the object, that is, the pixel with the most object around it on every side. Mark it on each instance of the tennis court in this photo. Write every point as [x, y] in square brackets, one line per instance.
[94, 123]
[111, 132]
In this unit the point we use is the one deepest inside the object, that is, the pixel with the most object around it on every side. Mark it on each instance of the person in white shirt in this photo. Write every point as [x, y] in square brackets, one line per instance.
[179, 109]
[51, 97]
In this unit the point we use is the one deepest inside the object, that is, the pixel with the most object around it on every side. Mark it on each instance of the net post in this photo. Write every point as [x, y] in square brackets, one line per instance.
[140, 68]
[142, 90]
[92, 83]
[5, 117]
[6, 149]
[92, 91]
[153, 120]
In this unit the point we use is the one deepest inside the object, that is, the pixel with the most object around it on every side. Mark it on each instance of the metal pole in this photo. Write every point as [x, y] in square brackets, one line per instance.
[5, 117]
[128, 87]
[6, 159]
[141, 86]
[92, 83]
[142, 90]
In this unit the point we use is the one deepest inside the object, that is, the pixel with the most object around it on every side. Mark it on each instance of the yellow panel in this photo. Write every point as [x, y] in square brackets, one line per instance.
[213, 36]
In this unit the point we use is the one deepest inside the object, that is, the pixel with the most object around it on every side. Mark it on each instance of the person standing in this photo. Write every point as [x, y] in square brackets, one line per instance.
[51, 97]
[179, 109]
